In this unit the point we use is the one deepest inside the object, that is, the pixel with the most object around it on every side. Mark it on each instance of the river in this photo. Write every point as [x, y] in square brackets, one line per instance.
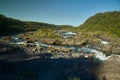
[50, 69]
[98, 54]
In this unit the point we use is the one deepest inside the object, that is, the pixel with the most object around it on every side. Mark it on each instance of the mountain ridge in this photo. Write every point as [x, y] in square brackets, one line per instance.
[11, 25]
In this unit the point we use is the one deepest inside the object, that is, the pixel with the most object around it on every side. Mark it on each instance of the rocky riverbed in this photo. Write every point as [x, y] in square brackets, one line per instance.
[41, 64]
[38, 61]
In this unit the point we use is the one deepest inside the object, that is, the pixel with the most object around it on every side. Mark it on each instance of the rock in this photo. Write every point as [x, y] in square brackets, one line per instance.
[106, 38]
[68, 42]
[86, 56]
[26, 45]
[49, 51]
[91, 56]
[38, 47]
[75, 55]
[74, 41]
[57, 42]
[96, 41]
[79, 42]
[116, 49]
[64, 49]
[47, 41]
[107, 49]
[51, 47]
[3, 49]
[30, 40]
[34, 49]
[110, 69]
[56, 48]
[28, 51]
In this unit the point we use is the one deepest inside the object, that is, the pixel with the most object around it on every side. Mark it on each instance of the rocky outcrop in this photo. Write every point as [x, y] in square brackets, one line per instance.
[62, 49]
[68, 42]
[107, 49]
[116, 49]
[74, 41]
[51, 41]
[109, 69]
[55, 52]
[96, 41]
[5, 46]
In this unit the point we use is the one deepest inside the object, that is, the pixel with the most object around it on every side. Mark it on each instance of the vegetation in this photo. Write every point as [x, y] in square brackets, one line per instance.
[6, 23]
[11, 26]
[107, 23]
[44, 33]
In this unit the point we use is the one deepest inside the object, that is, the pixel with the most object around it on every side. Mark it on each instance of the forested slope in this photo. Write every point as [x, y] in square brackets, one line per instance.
[107, 23]
[12, 26]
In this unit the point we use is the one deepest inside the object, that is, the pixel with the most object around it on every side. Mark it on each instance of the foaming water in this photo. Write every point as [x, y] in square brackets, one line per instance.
[98, 54]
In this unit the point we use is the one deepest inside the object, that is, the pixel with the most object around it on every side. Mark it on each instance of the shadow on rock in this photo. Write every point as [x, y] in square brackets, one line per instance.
[48, 69]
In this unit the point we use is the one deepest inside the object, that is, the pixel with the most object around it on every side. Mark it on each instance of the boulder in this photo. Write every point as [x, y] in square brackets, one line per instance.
[110, 69]
[56, 48]
[57, 42]
[107, 49]
[75, 55]
[50, 48]
[116, 49]
[38, 47]
[63, 49]
[49, 51]
[96, 41]
[34, 49]
[80, 41]
[74, 41]
[3, 49]
[91, 56]
[68, 42]
[47, 41]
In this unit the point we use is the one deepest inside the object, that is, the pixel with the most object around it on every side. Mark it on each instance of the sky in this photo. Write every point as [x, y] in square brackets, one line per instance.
[60, 12]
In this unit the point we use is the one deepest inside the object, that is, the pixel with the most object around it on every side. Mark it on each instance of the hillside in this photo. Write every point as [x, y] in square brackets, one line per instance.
[12, 26]
[103, 23]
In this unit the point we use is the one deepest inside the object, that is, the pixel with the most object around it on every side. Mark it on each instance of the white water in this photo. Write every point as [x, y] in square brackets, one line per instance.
[98, 54]
[104, 42]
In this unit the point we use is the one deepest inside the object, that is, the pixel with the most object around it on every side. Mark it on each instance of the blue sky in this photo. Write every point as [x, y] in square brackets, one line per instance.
[69, 12]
